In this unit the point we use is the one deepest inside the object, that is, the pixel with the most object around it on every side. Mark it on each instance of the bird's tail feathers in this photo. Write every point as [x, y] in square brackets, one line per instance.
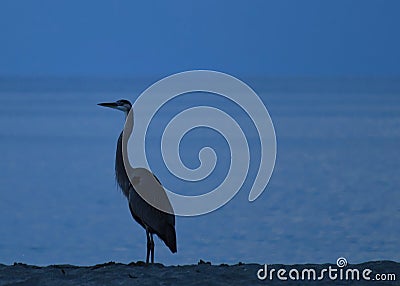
[170, 238]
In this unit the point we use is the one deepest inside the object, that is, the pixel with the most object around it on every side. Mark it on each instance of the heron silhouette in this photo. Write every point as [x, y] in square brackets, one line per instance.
[143, 191]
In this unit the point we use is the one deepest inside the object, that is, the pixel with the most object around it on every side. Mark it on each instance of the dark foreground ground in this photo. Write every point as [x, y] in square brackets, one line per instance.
[201, 274]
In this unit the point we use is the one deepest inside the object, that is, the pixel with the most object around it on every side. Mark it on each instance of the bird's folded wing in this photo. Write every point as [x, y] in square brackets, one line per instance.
[149, 188]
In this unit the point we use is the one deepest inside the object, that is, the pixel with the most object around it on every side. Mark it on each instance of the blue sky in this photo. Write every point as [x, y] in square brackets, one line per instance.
[252, 38]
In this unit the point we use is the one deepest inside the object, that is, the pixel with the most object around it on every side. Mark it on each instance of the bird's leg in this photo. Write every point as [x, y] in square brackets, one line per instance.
[148, 246]
[152, 247]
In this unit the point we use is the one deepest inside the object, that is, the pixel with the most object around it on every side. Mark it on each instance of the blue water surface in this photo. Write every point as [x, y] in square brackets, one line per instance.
[334, 191]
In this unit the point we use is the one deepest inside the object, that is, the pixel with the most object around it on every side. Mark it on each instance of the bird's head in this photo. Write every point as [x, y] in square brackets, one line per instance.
[122, 104]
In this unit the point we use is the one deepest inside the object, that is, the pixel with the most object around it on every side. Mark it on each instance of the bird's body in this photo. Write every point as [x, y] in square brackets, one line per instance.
[153, 220]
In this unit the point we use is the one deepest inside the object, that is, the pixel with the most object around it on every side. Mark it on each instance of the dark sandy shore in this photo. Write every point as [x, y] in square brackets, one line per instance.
[201, 274]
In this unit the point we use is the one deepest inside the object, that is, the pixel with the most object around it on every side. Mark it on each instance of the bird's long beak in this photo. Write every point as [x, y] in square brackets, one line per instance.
[108, 104]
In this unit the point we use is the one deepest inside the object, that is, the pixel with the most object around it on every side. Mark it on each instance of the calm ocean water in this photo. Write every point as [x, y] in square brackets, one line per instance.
[334, 191]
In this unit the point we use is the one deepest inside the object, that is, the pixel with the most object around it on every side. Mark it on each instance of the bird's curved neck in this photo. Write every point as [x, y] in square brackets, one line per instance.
[126, 134]
[126, 114]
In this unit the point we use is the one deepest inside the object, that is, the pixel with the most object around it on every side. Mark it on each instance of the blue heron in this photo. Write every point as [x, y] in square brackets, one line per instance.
[153, 220]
